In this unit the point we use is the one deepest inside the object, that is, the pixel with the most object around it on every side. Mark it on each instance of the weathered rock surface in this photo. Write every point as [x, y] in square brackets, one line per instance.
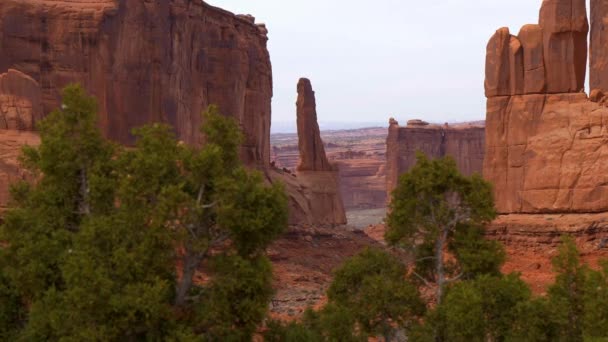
[550, 57]
[149, 61]
[531, 242]
[565, 28]
[312, 151]
[11, 143]
[360, 156]
[465, 143]
[20, 101]
[598, 59]
[547, 153]
[145, 61]
[20, 108]
[319, 178]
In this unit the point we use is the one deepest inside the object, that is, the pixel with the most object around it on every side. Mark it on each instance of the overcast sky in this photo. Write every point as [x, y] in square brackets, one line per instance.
[370, 60]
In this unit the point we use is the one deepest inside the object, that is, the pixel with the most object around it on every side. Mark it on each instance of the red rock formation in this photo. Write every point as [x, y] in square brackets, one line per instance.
[11, 143]
[547, 58]
[465, 143]
[20, 108]
[318, 177]
[312, 152]
[546, 152]
[565, 28]
[145, 61]
[20, 101]
[598, 59]
[360, 156]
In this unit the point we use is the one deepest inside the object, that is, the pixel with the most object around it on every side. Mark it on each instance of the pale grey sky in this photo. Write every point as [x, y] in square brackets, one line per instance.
[370, 60]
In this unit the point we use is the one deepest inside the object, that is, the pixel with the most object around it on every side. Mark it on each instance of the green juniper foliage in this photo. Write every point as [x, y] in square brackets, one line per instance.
[434, 208]
[105, 244]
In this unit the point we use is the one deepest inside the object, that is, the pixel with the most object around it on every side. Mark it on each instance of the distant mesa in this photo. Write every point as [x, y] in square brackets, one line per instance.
[417, 123]
[465, 142]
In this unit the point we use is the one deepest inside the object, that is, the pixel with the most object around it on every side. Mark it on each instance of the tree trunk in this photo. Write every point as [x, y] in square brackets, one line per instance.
[190, 264]
[84, 208]
[439, 266]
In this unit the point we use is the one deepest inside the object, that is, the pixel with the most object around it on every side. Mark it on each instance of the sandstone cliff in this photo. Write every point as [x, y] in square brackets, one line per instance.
[598, 59]
[465, 143]
[20, 108]
[546, 146]
[145, 61]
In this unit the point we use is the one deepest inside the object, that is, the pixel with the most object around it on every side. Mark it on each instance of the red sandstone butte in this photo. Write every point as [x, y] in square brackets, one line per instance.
[145, 61]
[546, 151]
[464, 142]
[550, 57]
[320, 179]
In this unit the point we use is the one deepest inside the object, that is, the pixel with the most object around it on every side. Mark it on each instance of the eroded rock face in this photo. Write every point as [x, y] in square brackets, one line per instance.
[465, 143]
[20, 101]
[312, 151]
[547, 152]
[598, 59]
[20, 108]
[145, 61]
[320, 179]
[565, 28]
[11, 171]
[550, 57]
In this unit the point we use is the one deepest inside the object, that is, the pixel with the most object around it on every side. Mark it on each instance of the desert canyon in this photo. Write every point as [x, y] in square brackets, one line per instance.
[544, 144]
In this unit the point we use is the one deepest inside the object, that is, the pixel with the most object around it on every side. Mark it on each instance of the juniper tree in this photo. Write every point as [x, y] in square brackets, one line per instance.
[434, 210]
[90, 249]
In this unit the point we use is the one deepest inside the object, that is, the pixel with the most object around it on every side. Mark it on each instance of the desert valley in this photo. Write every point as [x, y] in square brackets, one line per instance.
[543, 149]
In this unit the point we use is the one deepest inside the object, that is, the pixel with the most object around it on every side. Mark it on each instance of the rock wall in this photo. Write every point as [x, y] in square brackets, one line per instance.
[20, 108]
[145, 61]
[546, 150]
[598, 56]
[465, 143]
[148, 61]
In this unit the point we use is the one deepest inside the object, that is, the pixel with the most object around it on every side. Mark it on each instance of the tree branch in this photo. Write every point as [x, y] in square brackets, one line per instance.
[447, 281]
[426, 282]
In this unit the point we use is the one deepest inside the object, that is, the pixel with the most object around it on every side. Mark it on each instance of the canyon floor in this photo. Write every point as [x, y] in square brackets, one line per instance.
[305, 257]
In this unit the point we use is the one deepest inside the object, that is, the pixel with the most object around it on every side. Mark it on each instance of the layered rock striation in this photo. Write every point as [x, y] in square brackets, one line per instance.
[546, 148]
[465, 143]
